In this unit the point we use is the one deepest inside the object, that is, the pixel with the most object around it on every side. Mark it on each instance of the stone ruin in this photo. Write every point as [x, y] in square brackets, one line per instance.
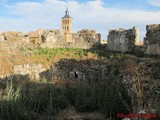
[10, 36]
[85, 38]
[152, 39]
[122, 40]
[55, 39]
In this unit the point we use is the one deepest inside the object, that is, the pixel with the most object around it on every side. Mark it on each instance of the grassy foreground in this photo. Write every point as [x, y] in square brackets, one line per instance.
[42, 101]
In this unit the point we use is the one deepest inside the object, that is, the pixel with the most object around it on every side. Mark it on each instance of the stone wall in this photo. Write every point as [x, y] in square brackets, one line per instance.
[122, 40]
[56, 39]
[11, 36]
[1, 38]
[152, 39]
[23, 72]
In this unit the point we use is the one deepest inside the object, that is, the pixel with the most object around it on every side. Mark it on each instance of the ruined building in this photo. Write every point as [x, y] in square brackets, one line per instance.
[65, 38]
[33, 37]
[152, 39]
[66, 24]
[122, 40]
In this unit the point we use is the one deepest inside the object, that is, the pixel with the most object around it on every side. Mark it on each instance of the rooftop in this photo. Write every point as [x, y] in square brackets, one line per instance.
[67, 14]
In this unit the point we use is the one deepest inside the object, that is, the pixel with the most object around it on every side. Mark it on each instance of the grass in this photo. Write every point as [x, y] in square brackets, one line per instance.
[50, 53]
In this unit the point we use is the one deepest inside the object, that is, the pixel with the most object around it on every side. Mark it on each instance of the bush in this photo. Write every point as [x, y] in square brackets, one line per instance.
[37, 99]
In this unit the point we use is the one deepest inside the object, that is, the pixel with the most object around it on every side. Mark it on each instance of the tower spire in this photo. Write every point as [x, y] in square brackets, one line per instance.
[67, 11]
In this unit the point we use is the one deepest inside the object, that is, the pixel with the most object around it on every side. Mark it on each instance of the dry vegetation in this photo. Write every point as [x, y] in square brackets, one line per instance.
[64, 99]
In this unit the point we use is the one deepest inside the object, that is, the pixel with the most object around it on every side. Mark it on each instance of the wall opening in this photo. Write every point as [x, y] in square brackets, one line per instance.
[76, 74]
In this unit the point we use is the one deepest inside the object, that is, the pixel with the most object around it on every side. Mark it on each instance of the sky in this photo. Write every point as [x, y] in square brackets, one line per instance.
[100, 15]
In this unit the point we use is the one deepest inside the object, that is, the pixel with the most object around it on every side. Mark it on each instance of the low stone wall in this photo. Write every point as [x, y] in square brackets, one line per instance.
[23, 72]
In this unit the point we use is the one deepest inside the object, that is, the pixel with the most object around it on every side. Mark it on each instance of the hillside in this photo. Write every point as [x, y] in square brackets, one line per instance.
[77, 83]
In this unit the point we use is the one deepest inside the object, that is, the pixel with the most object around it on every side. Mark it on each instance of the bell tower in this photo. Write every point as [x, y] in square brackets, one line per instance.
[66, 26]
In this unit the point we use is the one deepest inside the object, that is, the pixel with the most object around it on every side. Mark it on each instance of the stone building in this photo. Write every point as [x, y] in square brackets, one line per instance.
[33, 37]
[152, 39]
[66, 26]
[64, 37]
[122, 40]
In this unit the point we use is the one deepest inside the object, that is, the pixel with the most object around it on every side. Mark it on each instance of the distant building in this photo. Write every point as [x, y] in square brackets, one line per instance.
[66, 24]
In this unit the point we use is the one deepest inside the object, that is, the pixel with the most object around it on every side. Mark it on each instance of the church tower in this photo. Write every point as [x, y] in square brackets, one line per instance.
[66, 26]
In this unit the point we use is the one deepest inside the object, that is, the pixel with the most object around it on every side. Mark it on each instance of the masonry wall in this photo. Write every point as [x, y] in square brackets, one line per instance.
[85, 39]
[152, 39]
[122, 40]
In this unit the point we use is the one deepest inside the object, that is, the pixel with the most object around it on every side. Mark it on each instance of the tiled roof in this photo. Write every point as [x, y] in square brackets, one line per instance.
[66, 16]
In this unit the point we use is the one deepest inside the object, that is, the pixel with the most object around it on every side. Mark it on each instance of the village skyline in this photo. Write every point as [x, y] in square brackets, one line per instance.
[101, 15]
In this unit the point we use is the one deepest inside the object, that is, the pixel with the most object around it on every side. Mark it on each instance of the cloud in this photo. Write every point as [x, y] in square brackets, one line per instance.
[154, 2]
[28, 16]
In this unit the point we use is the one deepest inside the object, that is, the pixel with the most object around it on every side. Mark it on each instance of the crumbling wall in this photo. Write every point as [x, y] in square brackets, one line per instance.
[12, 35]
[152, 39]
[55, 39]
[122, 40]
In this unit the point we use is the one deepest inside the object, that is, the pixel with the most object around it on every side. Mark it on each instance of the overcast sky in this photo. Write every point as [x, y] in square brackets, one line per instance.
[101, 15]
